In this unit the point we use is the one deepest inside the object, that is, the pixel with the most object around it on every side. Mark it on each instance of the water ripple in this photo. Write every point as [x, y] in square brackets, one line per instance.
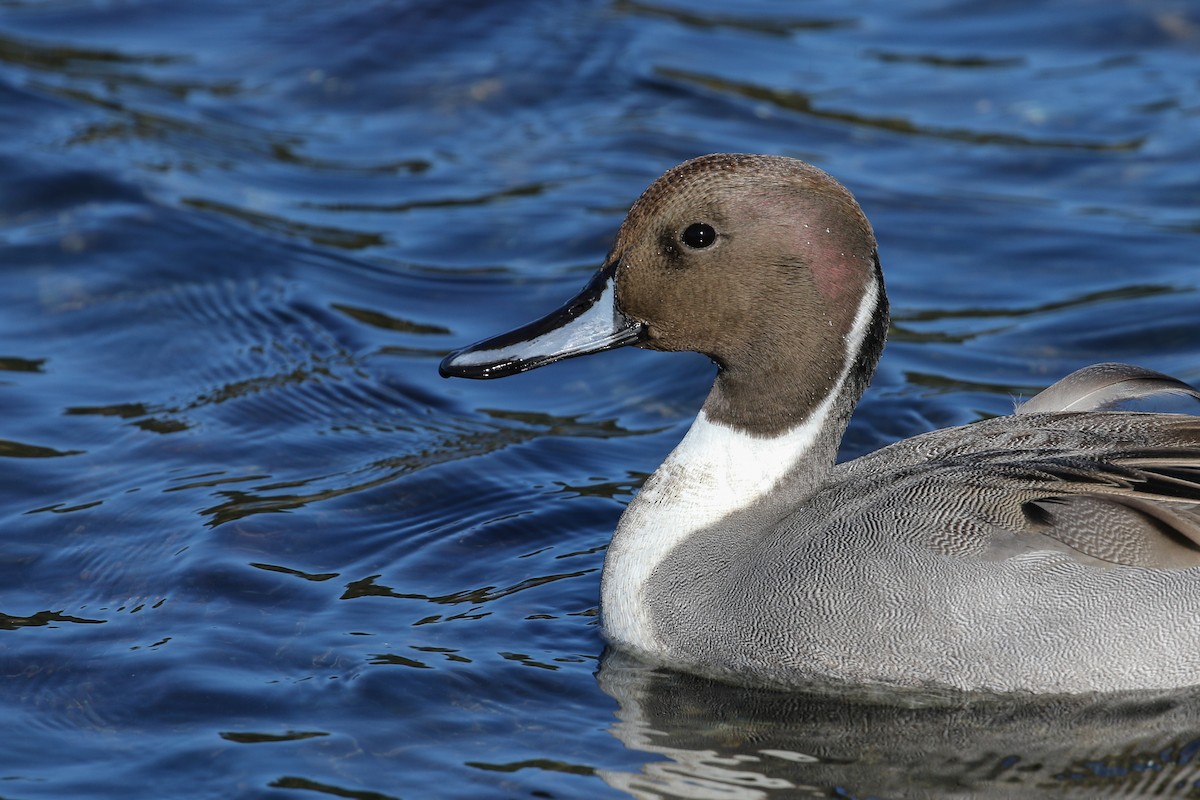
[803, 103]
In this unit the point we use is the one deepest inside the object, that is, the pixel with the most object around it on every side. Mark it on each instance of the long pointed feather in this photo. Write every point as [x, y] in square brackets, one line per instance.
[1102, 386]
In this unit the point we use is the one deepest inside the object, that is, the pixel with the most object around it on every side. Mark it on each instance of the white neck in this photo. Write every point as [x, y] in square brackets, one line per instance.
[715, 471]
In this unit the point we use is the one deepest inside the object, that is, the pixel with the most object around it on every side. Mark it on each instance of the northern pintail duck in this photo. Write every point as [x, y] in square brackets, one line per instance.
[1054, 550]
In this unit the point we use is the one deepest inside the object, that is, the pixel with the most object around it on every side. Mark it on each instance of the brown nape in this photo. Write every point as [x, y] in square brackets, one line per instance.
[783, 385]
[772, 300]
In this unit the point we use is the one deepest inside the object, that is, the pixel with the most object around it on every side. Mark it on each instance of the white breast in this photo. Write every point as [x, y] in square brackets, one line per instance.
[715, 471]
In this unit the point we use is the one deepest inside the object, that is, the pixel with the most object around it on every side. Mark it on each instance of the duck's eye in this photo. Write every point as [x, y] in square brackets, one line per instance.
[698, 235]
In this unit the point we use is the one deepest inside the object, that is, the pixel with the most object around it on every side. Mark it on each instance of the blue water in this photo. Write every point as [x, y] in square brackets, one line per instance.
[252, 546]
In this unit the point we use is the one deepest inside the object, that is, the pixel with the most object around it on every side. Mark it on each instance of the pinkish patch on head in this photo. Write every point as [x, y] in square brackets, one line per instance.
[829, 233]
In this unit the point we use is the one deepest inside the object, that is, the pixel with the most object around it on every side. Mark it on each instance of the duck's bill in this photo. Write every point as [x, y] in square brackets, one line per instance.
[588, 323]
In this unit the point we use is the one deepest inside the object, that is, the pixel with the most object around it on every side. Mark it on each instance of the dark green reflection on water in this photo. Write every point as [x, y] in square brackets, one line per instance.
[802, 103]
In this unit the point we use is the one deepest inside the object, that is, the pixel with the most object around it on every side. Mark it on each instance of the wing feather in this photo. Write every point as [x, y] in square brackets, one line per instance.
[1102, 386]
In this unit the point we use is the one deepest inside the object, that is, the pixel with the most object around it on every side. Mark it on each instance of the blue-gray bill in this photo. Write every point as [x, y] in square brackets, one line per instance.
[588, 323]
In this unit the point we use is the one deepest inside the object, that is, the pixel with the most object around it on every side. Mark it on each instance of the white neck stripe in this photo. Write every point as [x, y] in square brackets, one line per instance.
[714, 471]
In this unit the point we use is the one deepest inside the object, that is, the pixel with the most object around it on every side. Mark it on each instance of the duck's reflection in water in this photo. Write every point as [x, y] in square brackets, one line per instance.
[720, 741]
